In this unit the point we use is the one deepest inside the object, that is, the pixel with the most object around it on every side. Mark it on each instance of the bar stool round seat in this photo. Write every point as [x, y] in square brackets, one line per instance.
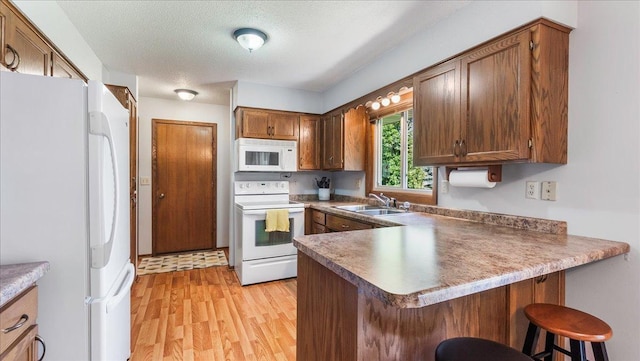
[476, 349]
[579, 327]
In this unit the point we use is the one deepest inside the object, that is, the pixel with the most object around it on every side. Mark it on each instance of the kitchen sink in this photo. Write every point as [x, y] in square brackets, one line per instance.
[379, 212]
[359, 207]
[370, 210]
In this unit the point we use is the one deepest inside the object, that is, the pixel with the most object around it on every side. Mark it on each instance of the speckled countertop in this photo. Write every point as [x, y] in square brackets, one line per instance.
[435, 258]
[15, 278]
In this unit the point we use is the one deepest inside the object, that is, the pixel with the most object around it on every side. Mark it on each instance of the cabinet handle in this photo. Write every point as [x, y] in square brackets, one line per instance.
[44, 347]
[16, 56]
[23, 319]
[541, 279]
[345, 226]
[463, 148]
[456, 145]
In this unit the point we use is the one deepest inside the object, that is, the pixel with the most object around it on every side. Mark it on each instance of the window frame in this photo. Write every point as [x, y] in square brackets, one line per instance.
[373, 162]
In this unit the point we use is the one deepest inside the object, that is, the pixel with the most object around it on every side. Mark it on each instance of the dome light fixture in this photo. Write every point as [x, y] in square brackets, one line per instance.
[250, 39]
[385, 102]
[375, 105]
[395, 98]
[186, 94]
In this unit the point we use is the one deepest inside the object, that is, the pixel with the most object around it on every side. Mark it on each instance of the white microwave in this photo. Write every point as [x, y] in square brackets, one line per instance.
[266, 155]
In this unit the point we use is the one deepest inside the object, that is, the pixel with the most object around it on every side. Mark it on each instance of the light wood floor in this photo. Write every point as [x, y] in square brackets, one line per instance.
[206, 315]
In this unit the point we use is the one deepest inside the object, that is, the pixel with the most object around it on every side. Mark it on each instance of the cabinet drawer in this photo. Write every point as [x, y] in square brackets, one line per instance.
[12, 314]
[318, 217]
[23, 349]
[318, 228]
[342, 224]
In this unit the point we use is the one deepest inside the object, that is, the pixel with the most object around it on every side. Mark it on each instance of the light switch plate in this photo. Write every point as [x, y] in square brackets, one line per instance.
[145, 181]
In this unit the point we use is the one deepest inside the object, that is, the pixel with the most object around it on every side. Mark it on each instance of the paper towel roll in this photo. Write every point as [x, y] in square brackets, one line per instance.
[478, 178]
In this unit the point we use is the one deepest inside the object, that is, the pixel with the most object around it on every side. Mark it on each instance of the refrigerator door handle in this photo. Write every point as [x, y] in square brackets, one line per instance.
[124, 288]
[100, 254]
[121, 289]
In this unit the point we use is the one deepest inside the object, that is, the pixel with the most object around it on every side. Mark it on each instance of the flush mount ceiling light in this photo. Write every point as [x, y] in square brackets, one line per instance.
[186, 94]
[250, 39]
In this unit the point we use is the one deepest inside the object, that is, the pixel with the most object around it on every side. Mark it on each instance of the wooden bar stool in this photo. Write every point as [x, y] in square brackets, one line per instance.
[476, 349]
[579, 327]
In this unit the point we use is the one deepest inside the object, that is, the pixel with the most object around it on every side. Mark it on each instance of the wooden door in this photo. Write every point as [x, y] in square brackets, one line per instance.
[436, 134]
[495, 100]
[255, 124]
[184, 186]
[283, 126]
[309, 143]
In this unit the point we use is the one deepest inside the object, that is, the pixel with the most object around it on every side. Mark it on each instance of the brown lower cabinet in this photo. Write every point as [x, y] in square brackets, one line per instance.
[338, 322]
[318, 222]
[19, 318]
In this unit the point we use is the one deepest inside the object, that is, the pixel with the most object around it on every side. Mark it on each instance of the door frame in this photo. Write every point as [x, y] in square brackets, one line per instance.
[154, 177]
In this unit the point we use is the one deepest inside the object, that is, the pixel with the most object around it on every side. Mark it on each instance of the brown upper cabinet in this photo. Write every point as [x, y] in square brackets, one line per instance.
[344, 139]
[26, 50]
[266, 124]
[309, 142]
[503, 101]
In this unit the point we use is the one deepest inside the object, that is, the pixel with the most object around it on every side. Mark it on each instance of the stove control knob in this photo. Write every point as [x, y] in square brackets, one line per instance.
[248, 185]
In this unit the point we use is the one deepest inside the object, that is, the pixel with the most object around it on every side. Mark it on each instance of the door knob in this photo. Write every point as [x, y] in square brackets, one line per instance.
[161, 195]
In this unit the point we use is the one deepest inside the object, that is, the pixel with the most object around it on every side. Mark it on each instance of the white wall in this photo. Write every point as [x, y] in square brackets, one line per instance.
[278, 98]
[150, 108]
[52, 21]
[599, 188]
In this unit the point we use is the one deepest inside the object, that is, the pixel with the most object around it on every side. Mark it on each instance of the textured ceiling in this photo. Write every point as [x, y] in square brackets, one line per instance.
[312, 45]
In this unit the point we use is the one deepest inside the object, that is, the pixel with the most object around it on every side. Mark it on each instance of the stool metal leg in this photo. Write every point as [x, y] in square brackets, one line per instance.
[531, 340]
[599, 351]
[578, 352]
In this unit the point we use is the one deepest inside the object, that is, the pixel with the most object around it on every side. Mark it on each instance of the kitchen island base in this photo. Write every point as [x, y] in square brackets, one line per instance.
[337, 321]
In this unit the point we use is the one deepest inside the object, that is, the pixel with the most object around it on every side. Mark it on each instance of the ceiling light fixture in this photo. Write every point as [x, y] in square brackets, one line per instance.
[186, 94]
[385, 102]
[395, 98]
[375, 105]
[250, 39]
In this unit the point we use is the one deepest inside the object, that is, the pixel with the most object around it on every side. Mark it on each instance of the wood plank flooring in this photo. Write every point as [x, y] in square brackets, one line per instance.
[205, 314]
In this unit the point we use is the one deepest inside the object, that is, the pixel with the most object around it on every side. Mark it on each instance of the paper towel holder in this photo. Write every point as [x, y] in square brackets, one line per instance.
[494, 173]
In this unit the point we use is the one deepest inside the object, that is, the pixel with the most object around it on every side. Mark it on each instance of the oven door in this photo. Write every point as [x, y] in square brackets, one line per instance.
[257, 244]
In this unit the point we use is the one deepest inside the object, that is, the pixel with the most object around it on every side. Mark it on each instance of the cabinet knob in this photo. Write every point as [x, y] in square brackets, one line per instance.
[463, 148]
[161, 196]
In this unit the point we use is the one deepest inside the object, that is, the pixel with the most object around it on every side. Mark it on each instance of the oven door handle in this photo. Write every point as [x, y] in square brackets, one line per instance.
[262, 211]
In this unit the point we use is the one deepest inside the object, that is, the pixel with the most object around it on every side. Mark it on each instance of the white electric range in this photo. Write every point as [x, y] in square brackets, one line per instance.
[262, 256]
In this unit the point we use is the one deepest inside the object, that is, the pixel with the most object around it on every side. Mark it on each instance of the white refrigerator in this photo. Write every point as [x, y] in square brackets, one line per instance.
[64, 198]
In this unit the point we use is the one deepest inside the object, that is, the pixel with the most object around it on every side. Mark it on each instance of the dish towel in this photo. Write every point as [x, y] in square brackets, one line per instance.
[277, 220]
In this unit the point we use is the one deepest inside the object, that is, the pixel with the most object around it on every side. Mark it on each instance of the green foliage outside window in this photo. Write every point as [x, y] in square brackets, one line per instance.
[391, 155]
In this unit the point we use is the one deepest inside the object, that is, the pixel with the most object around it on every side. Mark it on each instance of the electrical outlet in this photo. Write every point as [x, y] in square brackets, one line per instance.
[549, 191]
[532, 190]
[145, 181]
[357, 183]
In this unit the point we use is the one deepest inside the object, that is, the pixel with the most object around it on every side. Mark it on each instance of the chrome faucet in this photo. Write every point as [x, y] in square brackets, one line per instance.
[381, 198]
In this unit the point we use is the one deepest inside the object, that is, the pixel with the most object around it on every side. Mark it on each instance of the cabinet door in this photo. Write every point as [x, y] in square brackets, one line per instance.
[30, 53]
[436, 94]
[309, 143]
[62, 69]
[354, 124]
[495, 100]
[255, 124]
[333, 141]
[283, 126]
